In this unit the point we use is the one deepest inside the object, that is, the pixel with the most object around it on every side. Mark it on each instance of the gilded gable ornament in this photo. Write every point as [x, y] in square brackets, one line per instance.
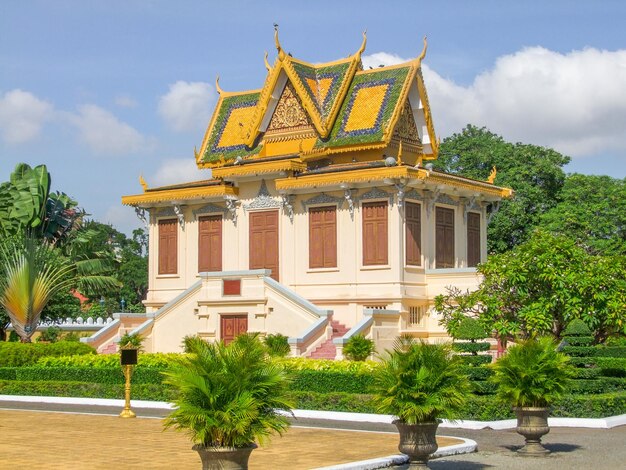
[406, 129]
[289, 113]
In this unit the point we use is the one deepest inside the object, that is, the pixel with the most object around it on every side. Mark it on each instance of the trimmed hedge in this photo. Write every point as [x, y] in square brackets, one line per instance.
[618, 352]
[609, 366]
[25, 354]
[579, 340]
[156, 360]
[109, 375]
[471, 347]
[478, 373]
[598, 385]
[322, 381]
[85, 390]
[476, 361]
[579, 351]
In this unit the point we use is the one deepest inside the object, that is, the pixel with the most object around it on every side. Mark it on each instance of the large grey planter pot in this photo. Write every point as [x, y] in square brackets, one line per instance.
[418, 441]
[224, 458]
[532, 423]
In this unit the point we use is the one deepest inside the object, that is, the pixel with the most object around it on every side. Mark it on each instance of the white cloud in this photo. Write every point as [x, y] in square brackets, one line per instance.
[104, 133]
[574, 102]
[123, 218]
[187, 106]
[381, 58]
[175, 171]
[125, 101]
[22, 115]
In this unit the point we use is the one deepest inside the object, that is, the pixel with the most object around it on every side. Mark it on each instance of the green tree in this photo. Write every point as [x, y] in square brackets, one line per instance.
[591, 210]
[535, 173]
[540, 286]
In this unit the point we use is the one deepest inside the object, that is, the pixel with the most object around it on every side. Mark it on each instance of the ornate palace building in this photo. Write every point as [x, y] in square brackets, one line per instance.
[322, 217]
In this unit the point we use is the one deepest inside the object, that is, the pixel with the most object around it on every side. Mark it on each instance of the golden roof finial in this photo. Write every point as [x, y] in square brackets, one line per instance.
[362, 48]
[217, 85]
[400, 153]
[267, 64]
[281, 53]
[492, 175]
[143, 183]
[300, 148]
[423, 54]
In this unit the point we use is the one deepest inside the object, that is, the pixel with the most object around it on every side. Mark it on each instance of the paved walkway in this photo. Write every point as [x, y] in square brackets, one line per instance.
[55, 440]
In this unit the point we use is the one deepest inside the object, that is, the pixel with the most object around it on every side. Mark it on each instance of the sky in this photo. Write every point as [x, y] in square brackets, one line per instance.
[103, 92]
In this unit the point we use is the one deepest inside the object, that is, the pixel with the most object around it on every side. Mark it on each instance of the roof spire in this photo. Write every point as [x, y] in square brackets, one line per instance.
[281, 53]
[423, 54]
[400, 153]
[143, 183]
[217, 85]
[267, 64]
[362, 48]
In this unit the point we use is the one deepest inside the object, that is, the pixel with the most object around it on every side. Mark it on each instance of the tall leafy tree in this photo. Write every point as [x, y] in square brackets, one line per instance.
[535, 173]
[540, 286]
[592, 210]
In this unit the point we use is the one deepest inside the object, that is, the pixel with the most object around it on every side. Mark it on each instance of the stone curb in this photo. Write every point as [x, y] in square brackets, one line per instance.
[466, 447]
[594, 423]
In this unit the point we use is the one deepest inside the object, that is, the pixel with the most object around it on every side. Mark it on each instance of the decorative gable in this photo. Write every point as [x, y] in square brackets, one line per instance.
[289, 115]
[406, 130]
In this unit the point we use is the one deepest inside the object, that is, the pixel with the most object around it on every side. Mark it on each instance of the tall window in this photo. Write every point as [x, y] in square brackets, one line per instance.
[413, 234]
[168, 246]
[374, 233]
[210, 243]
[323, 237]
[473, 239]
[444, 238]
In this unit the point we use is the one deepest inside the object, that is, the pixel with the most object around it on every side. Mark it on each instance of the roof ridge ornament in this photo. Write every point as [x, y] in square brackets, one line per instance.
[423, 53]
[267, 64]
[492, 175]
[363, 44]
[281, 52]
[217, 85]
[143, 183]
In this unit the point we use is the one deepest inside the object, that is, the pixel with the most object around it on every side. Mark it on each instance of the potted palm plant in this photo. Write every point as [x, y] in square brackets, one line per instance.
[531, 376]
[419, 383]
[229, 398]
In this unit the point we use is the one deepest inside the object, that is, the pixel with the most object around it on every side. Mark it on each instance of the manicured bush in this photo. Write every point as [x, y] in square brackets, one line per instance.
[50, 335]
[611, 352]
[598, 385]
[7, 373]
[109, 375]
[277, 345]
[85, 390]
[615, 341]
[578, 341]
[577, 327]
[579, 351]
[477, 373]
[348, 402]
[156, 360]
[358, 348]
[330, 381]
[476, 361]
[470, 347]
[302, 363]
[21, 354]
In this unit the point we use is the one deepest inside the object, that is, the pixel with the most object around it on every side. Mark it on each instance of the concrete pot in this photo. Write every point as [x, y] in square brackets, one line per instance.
[224, 458]
[418, 441]
[532, 423]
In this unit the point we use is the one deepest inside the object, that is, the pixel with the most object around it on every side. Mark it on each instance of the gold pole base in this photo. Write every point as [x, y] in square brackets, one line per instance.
[127, 414]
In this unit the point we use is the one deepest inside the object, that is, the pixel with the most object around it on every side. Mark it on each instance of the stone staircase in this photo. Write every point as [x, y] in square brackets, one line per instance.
[110, 348]
[327, 349]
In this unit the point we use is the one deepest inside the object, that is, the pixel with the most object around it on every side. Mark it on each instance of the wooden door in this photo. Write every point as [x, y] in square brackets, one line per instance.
[264, 241]
[232, 326]
[210, 243]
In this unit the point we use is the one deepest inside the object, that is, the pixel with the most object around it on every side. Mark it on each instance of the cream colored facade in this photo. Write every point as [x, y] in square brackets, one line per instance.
[315, 135]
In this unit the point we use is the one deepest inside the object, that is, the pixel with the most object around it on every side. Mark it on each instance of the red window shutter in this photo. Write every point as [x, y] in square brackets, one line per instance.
[168, 246]
[375, 241]
[323, 237]
[413, 234]
[473, 239]
[210, 243]
[444, 238]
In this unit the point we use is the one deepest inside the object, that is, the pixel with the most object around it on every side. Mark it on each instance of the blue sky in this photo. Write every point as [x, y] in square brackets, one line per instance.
[102, 92]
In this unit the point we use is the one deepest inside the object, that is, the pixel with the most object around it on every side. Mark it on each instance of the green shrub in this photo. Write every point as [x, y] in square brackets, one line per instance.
[578, 341]
[477, 373]
[7, 373]
[358, 348]
[13, 336]
[470, 347]
[611, 352]
[131, 341]
[50, 335]
[277, 345]
[85, 390]
[330, 381]
[71, 337]
[616, 341]
[598, 385]
[470, 329]
[112, 375]
[476, 361]
[591, 406]
[579, 351]
[577, 327]
[609, 366]
[348, 402]
[21, 354]
[156, 360]
[304, 363]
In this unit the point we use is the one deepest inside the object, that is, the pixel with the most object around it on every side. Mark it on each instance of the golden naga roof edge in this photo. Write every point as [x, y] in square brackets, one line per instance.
[179, 194]
[250, 168]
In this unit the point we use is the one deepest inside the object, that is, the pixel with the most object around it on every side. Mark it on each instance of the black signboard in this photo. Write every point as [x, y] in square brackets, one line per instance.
[128, 357]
